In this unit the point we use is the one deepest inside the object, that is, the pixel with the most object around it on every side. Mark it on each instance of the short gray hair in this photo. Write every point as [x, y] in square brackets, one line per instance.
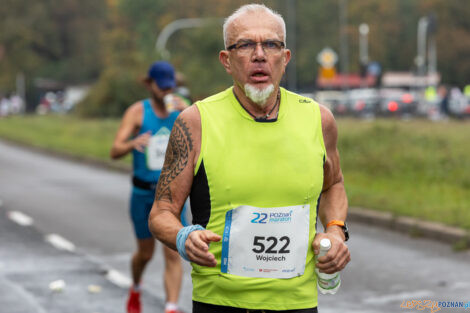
[252, 8]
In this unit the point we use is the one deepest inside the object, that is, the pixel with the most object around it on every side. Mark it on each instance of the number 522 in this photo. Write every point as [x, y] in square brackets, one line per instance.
[259, 244]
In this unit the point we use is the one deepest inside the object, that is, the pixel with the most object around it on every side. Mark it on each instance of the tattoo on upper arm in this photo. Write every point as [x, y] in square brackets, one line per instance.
[176, 159]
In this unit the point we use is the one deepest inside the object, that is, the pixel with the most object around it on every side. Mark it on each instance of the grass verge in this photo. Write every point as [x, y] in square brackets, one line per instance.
[64, 134]
[412, 168]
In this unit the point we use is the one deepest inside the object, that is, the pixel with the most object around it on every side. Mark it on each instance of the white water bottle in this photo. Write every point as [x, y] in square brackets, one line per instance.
[327, 283]
[170, 102]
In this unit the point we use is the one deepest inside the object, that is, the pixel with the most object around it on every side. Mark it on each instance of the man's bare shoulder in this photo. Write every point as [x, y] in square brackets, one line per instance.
[135, 108]
[133, 113]
[191, 117]
[328, 122]
[189, 122]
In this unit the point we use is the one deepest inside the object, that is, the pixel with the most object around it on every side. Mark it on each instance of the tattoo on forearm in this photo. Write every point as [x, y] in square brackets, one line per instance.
[176, 159]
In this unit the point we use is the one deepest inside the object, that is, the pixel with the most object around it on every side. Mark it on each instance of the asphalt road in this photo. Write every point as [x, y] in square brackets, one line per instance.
[88, 206]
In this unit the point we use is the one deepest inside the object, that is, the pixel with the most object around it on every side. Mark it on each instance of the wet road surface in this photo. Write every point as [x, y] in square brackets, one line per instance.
[87, 207]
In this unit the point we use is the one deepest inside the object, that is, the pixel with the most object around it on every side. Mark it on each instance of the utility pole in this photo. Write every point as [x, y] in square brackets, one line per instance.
[291, 30]
[422, 43]
[21, 86]
[426, 59]
[344, 53]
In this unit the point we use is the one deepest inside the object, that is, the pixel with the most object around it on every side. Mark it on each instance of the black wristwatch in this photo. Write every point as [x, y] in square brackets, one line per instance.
[345, 231]
[341, 224]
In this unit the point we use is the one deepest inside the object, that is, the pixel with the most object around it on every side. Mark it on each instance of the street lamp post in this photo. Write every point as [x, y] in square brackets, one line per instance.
[432, 51]
[363, 51]
[171, 28]
[363, 44]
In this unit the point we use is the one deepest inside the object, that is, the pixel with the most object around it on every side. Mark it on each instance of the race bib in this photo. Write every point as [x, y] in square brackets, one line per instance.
[156, 149]
[266, 242]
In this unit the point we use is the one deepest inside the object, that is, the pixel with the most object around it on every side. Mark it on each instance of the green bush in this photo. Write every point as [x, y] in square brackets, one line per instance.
[112, 94]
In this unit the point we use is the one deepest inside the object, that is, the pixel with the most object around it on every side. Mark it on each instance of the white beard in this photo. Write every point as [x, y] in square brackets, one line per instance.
[258, 96]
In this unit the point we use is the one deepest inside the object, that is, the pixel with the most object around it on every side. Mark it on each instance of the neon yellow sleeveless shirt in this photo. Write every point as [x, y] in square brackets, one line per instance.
[260, 164]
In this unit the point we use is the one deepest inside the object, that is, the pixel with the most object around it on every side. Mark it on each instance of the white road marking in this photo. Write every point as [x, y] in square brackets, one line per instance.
[461, 285]
[398, 297]
[118, 279]
[20, 218]
[57, 285]
[60, 242]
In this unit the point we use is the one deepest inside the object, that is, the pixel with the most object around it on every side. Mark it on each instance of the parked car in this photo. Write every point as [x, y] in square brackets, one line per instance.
[397, 102]
[459, 104]
[363, 102]
[335, 100]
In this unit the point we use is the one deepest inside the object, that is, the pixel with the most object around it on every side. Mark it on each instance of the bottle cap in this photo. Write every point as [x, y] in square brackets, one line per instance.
[325, 244]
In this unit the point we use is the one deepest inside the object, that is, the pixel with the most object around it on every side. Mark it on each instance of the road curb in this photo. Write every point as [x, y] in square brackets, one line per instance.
[412, 226]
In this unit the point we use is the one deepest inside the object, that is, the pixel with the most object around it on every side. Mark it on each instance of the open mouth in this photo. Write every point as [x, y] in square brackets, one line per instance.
[259, 76]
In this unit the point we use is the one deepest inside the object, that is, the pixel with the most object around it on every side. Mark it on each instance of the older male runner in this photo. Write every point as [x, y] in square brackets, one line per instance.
[255, 159]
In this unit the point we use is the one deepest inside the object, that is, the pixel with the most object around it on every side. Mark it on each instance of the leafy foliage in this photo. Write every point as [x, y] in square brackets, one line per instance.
[92, 40]
[115, 90]
[55, 39]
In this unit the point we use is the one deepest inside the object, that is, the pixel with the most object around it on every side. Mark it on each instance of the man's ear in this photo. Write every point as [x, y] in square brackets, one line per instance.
[147, 83]
[287, 56]
[225, 60]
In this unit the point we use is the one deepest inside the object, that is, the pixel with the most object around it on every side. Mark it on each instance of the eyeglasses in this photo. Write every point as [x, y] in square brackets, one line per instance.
[247, 46]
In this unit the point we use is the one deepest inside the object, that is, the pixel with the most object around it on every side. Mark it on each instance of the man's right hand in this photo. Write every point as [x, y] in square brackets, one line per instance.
[197, 247]
[140, 142]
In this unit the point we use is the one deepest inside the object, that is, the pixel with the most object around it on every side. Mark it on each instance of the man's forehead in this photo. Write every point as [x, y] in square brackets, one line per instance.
[253, 25]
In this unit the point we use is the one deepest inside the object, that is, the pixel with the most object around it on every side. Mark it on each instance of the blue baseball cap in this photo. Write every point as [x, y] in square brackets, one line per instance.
[163, 74]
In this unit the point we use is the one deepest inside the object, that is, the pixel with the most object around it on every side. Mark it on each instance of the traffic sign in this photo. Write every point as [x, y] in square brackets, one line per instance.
[327, 58]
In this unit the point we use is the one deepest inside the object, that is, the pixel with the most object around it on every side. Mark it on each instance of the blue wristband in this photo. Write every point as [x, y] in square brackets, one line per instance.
[182, 236]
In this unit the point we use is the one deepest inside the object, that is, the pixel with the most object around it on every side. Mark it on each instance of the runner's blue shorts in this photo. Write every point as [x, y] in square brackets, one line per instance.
[140, 205]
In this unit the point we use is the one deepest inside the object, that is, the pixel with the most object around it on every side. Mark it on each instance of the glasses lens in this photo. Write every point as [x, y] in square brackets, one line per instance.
[272, 45]
[246, 46]
[269, 46]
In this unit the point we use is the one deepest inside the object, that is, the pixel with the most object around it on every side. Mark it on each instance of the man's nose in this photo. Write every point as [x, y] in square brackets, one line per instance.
[259, 53]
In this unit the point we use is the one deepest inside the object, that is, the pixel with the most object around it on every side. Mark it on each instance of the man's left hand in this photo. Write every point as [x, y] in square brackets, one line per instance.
[338, 255]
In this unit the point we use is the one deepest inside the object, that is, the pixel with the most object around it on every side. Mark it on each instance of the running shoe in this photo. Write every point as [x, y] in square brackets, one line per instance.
[173, 311]
[133, 303]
